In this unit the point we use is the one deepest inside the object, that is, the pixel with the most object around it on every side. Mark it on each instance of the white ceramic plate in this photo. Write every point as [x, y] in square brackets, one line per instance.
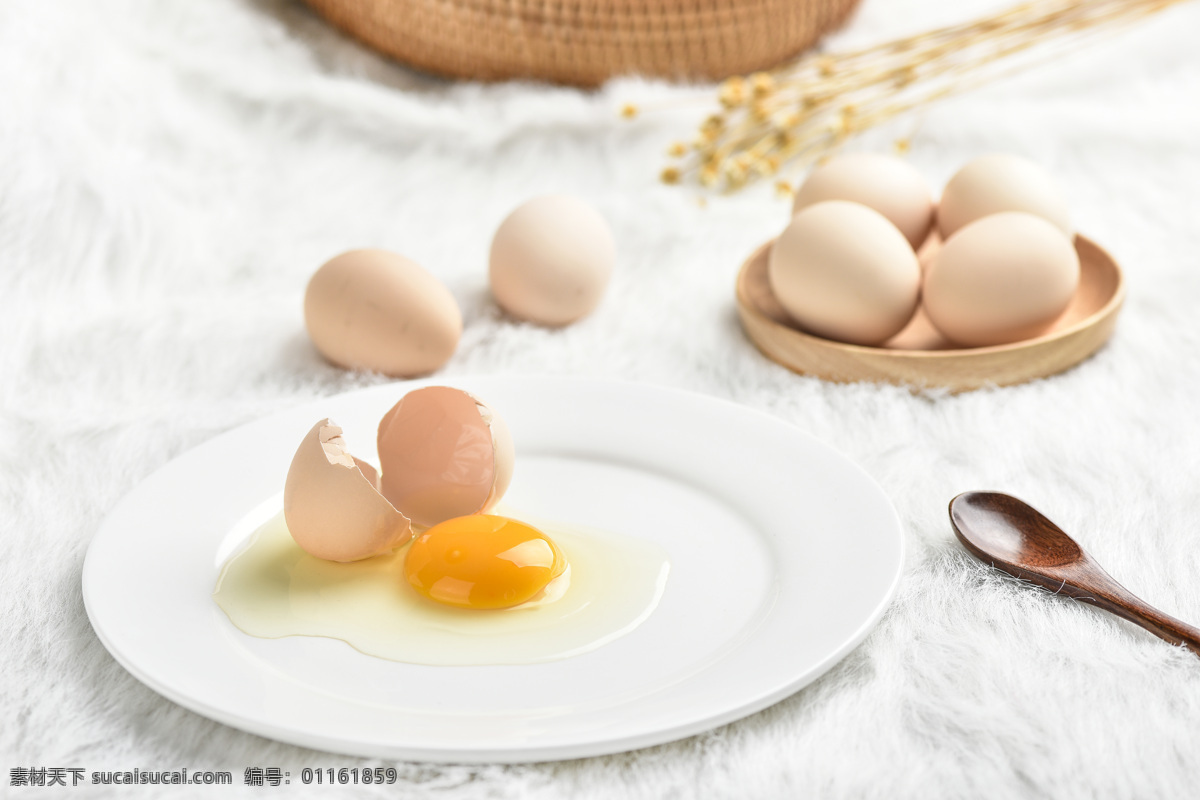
[783, 556]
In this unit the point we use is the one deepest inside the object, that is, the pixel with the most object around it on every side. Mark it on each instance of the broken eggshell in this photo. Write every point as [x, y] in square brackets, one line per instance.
[444, 453]
[332, 504]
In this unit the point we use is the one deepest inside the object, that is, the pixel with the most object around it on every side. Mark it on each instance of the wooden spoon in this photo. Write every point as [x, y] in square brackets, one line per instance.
[1001, 530]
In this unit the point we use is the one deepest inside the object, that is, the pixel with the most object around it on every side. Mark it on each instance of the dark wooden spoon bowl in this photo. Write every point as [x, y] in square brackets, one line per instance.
[1007, 533]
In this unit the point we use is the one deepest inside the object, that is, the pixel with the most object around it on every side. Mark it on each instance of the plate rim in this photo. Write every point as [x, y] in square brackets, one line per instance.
[500, 753]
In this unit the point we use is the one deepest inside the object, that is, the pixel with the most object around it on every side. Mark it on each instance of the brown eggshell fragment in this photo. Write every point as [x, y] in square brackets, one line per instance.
[444, 454]
[505, 456]
[376, 310]
[331, 504]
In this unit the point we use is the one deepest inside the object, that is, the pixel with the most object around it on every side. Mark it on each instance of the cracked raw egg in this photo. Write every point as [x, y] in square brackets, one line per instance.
[334, 564]
[272, 589]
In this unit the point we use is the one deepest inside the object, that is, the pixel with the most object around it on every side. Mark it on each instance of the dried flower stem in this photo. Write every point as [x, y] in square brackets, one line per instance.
[793, 116]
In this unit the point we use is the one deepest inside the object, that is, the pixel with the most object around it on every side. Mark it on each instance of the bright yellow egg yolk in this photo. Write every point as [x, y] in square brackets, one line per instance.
[482, 561]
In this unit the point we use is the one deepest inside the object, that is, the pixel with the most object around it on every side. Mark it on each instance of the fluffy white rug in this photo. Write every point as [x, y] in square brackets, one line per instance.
[171, 173]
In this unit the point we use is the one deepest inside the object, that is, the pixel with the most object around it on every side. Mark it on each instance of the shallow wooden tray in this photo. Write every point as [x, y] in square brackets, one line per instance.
[918, 355]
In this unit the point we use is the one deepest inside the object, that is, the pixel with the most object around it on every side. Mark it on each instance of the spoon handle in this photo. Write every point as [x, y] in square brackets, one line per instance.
[1101, 590]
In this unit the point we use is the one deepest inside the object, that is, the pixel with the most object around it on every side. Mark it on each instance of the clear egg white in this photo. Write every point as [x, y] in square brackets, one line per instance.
[271, 589]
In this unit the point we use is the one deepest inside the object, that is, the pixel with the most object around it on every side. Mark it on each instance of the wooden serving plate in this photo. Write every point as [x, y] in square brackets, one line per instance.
[919, 355]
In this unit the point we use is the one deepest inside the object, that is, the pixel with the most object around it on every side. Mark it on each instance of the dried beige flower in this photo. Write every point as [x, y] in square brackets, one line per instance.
[798, 114]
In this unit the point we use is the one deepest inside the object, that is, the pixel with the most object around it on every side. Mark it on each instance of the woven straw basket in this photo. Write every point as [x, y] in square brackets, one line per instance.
[584, 42]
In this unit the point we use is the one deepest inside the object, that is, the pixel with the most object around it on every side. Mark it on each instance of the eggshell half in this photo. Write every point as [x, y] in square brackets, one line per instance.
[504, 457]
[376, 310]
[444, 454]
[1000, 182]
[1001, 279]
[331, 503]
[887, 184]
[551, 260]
[844, 272]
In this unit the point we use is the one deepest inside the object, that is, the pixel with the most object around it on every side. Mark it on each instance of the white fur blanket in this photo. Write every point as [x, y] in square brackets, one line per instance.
[171, 173]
